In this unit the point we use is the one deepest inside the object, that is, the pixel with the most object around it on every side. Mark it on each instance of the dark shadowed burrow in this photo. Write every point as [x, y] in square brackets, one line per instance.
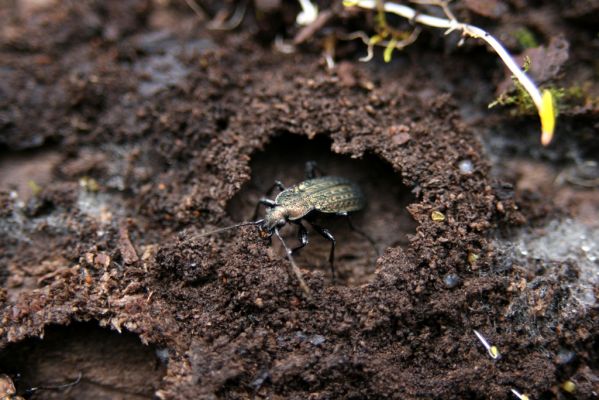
[111, 365]
[385, 219]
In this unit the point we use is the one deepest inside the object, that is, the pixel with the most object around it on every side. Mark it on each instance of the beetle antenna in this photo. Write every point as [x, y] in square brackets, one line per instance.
[56, 387]
[226, 228]
[294, 267]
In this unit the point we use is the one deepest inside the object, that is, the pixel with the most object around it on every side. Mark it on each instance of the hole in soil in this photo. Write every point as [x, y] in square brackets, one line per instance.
[113, 365]
[385, 218]
[21, 171]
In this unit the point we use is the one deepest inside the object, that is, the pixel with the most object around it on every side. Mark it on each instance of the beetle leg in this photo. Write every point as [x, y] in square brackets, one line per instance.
[263, 202]
[267, 202]
[325, 233]
[312, 169]
[302, 235]
[359, 231]
[277, 185]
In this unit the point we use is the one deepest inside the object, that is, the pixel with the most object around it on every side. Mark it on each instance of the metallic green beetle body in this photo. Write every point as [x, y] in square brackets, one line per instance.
[326, 194]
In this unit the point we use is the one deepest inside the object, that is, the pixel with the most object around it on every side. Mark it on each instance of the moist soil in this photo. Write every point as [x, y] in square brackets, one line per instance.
[129, 128]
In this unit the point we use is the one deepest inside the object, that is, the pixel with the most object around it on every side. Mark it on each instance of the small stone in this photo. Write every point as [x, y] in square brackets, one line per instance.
[400, 139]
[585, 247]
[163, 355]
[565, 357]
[437, 216]
[451, 280]
[499, 206]
[569, 386]
[102, 260]
[466, 167]
[317, 340]
[89, 258]
[259, 381]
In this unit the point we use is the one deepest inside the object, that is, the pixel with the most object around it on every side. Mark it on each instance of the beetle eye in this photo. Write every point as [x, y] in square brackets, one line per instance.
[281, 222]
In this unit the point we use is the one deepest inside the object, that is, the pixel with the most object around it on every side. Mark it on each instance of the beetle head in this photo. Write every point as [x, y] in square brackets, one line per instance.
[274, 218]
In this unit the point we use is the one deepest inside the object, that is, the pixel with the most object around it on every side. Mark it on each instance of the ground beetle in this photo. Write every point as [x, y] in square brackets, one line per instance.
[302, 202]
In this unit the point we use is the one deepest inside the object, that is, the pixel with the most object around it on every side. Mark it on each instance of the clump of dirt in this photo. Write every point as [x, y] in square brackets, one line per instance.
[161, 129]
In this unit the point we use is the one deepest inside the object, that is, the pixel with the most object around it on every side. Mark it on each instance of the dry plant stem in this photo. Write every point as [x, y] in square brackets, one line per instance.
[219, 22]
[329, 51]
[469, 30]
[438, 3]
[294, 267]
[308, 31]
[195, 7]
[399, 45]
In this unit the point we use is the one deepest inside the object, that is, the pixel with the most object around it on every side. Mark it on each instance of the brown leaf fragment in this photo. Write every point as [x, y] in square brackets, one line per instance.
[127, 250]
[546, 62]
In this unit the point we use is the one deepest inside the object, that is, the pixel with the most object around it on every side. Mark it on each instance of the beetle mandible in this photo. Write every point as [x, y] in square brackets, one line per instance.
[302, 202]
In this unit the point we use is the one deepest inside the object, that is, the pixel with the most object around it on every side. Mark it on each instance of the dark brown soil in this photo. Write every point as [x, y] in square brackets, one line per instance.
[127, 128]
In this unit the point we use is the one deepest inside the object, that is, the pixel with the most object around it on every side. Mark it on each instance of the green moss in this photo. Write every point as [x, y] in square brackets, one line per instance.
[35, 188]
[565, 99]
[526, 39]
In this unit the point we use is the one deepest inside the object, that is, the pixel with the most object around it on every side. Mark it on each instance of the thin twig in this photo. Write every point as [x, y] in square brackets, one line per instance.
[233, 22]
[294, 267]
[443, 4]
[197, 9]
[398, 44]
[309, 30]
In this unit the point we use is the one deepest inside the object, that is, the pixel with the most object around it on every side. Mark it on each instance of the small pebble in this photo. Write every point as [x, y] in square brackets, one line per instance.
[451, 280]
[400, 139]
[162, 355]
[259, 381]
[586, 248]
[569, 386]
[437, 216]
[466, 167]
[565, 356]
[317, 340]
